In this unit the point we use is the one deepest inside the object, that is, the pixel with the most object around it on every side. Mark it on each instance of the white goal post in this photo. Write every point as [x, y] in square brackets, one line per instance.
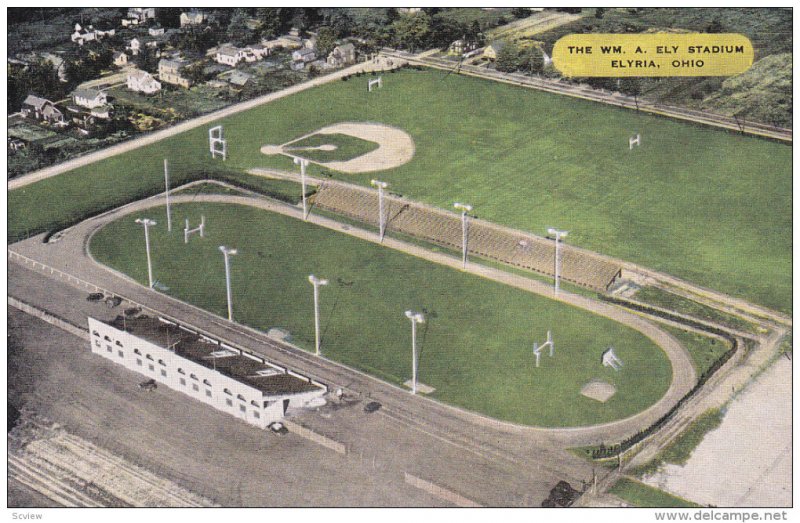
[377, 82]
[634, 140]
[200, 228]
[216, 142]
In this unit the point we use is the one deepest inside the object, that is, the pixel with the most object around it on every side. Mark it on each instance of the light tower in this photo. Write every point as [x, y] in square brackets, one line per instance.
[464, 208]
[415, 318]
[381, 215]
[166, 192]
[226, 252]
[147, 222]
[557, 262]
[317, 283]
[303, 163]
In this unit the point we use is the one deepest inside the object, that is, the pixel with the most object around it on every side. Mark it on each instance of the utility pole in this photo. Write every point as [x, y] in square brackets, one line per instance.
[316, 282]
[146, 222]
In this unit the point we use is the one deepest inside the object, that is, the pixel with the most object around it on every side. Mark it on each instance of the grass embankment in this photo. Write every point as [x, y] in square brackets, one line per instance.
[644, 496]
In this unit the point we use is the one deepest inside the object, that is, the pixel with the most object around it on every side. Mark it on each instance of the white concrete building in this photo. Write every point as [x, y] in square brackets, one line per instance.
[229, 55]
[223, 377]
[89, 98]
[192, 18]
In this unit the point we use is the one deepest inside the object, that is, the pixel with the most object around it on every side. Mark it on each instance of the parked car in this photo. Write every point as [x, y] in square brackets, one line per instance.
[113, 301]
[95, 296]
[278, 428]
[372, 406]
[148, 385]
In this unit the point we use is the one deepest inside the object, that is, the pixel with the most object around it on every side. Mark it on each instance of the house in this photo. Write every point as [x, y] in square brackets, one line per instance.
[170, 71]
[192, 18]
[229, 55]
[255, 52]
[239, 78]
[460, 47]
[142, 14]
[81, 35]
[120, 59]
[287, 42]
[253, 24]
[156, 31]
[89, 98]
[102, 111]
[143, 82]
[304, 55]
[342, 55]
[310, 43]
[16, 144]
[493, 49]
[135, 45]
[41, 109]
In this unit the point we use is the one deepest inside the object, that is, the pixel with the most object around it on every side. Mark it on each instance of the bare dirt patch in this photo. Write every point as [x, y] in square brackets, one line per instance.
[598, 390]
[395, 147]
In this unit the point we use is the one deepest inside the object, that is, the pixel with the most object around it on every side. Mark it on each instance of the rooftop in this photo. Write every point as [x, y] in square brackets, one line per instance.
[270, 380]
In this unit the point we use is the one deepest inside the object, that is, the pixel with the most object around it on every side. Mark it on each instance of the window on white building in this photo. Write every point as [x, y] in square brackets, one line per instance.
[256, 414]
[163, 373]
[183, 381]
[229, 402]
[208, 393]
[138, 362]
[150, 366]
[195, 387]
[109, 349]
[121, 354]
[242, 408]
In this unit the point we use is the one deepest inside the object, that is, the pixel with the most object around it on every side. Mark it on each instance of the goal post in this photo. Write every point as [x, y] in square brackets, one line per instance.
[217, 144]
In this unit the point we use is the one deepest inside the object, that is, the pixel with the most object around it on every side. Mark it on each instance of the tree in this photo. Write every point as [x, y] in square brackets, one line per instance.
[475, 33]
[445, 30]
[326, 40]
[520, 12]
[412, 31]
[38, 78]
[342, 23]
[238, 32]
[507, 58]
[532, 60]
[715, 26]
[631, 86]
[168, 16]
[599, 12]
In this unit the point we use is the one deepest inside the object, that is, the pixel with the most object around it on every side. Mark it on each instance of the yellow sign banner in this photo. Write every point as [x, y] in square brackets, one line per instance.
[658, 54]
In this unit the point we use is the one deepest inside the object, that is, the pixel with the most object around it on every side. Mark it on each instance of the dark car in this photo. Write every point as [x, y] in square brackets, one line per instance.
[113, 301]
[95, 296]
[148, 385]
[372, 406]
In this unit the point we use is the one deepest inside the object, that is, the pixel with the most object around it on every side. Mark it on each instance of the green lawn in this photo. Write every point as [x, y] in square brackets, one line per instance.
[475, 347]
[706, 205]
[347, 147]
[704, 350]
[644, 496]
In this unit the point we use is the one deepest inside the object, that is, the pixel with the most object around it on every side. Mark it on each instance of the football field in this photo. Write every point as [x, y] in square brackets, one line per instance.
[475, 347]
[705, 205]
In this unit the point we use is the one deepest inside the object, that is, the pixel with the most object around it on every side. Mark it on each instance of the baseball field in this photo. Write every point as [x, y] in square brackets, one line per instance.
[705, 205]
[475, 347]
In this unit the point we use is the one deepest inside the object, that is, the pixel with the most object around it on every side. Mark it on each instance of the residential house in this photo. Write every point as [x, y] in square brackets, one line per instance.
[135, 45]
[143, 82]
[89, 98]
[41, 109]
[120, 59]
[142, 14]
[310, 43]
[229, 55]
[192, 18]
[83, 35]
[239, 78]
[304, 55]
[16, 144]
[342, 55]
[156, 31]
[103, 111]
[287, 42]
[171, 72]
[460, 47]
[255, 52]
[493, 49]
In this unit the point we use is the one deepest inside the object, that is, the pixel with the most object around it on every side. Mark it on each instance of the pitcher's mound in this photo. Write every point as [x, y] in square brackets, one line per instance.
[598, 390]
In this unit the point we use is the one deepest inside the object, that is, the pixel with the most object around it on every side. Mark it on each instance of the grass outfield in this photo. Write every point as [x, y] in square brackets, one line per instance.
[475, 348]
[706, 205]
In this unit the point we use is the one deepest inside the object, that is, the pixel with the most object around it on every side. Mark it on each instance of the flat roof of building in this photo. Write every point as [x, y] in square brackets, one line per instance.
[270, 380]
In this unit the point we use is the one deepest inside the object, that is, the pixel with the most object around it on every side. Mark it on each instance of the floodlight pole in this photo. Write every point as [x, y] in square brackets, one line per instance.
[147, 222]
[415, 318]
[166, 184]
[316, 282]
[464, 208]
[559, 235]
[381, 215]
[303, 163]
[226, 252]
